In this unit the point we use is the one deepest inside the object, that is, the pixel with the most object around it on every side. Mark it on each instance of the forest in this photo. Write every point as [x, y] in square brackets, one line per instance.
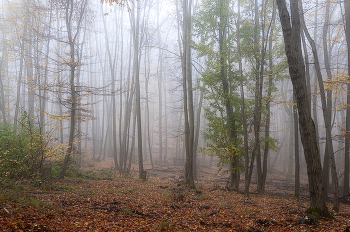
[179, 115]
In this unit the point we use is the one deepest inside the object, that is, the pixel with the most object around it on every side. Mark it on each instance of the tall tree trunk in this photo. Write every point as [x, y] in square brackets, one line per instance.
[166, 127]
[136, 39]
[187, 91]
[160, 77]
[314, 102]
[257, 107]
[72, 36]
[296, 152]
[268, 103]
[326, 166]
[196, 137]
[114, 110]
[244, 120]
[121, 150]
[326, 117]
[19, 80]
[307, 127]
[347, 127]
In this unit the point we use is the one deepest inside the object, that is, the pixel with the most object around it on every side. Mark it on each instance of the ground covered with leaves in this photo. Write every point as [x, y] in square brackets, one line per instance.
[124, 203]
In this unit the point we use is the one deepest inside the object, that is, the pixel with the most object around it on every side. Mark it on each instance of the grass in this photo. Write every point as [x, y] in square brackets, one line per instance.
[64, 188]
[86, 192]
[127, 211]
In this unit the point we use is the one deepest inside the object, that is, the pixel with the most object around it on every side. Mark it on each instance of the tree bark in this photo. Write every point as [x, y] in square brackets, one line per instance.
[72, 36]
[187, 91]
[160, 77]
[268, 103]
[296, 153]
[244, 120]
[326, 116]
[347, 127]
[307, 127]
[136, 39]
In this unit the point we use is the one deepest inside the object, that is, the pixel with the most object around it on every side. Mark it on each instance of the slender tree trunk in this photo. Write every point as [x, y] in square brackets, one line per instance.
[19, 81]
[244, 120]
[268, 103]
[198, 120]
[296, 152]
[326, 116]
[307, 127]
[147, 116]
[314, 105]
[347, 127]
[69, 8]
[160, 77]
[257, 107]
[136, 39]
[166, 127]
[114, 110]
[326, 166]
[2, 102]
[187, 91]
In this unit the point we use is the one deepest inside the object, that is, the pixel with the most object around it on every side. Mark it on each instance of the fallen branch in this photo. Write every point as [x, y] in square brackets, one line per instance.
[44, 192]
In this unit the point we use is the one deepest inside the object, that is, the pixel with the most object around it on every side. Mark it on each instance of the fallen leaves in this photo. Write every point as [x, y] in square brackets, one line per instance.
[156, 205]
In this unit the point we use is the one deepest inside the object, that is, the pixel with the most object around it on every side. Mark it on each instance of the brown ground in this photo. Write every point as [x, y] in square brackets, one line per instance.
[124, 203]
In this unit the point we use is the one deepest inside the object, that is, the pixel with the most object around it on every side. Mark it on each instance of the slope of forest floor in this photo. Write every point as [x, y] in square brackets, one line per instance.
[114, 202]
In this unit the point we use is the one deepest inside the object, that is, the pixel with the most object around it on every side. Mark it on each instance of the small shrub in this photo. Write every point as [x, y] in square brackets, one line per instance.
[23, 149]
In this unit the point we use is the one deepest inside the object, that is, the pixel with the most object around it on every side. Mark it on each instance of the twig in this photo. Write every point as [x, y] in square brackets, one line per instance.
[6, 210]
[212, 213]
[175, 206]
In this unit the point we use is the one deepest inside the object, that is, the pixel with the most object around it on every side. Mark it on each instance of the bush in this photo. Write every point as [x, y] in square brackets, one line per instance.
[22, 149]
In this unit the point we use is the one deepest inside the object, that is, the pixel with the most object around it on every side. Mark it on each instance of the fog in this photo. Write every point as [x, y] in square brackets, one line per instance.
[105, 81]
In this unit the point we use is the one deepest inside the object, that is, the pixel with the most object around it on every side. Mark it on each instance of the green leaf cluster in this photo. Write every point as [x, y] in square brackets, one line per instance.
[22, 149]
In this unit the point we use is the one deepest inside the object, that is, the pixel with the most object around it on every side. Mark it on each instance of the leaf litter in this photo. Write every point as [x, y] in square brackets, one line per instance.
[158, 204]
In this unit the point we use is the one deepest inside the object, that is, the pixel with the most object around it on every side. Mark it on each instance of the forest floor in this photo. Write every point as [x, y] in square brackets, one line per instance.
[114, 202]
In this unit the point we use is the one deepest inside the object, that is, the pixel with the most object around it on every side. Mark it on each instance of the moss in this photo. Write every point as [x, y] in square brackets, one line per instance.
[316, 212]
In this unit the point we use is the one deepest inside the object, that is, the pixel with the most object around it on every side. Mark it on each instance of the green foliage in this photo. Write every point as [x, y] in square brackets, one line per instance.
[86, 192]
[317, 213]
[272, 143]
[15, 192]
[127, 211]
[213, 24]
[64, 188]
[165, 225]
[22, 149]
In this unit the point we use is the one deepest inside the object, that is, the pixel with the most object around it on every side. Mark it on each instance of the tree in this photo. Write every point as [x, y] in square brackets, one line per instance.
[347, 127]
[220, 84]
[187, 91]
[329, 155]
[135, 21]
[74, 11]
[244, 120]
[291, 34]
